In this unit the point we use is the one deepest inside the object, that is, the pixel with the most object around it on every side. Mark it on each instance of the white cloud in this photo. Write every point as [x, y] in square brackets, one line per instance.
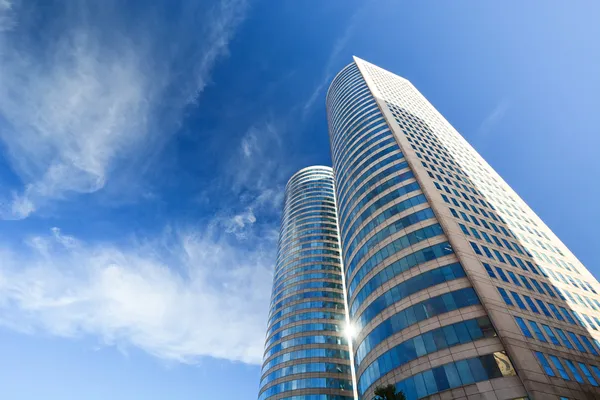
[492, 119]
[179, 297]
[240, 223]
[259, 165]
[6, 17]
[90, 99]
[72, 115]
[340, 44]
[254, 178]
[248, 144]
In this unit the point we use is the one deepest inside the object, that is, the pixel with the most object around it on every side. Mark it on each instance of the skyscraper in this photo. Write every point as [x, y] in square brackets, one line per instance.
[306, 352]
[455, 287]
[452, 286]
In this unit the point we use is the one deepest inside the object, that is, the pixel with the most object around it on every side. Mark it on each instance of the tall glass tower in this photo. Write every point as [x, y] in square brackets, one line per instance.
[455, 287]
[306, 351]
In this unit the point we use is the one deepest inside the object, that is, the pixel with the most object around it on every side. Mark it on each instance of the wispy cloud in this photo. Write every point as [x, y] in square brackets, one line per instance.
[98, 94]
[6, 15]
[339, 45]
[259, 161]
[255, 176]
[492, 119]
[332, 62]
[181, 296]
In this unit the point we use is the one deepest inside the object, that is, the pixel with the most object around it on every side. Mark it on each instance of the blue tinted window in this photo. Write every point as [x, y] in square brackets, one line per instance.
[574, 371]
[532, 306]
[575, 340]
[502, 275]
[391, 249]
[555, 311]
[551, 335]
[499, 256]
[543, 308]
[544, 362]
[451, 375]
[596, 370]
[486, 237]
[513, 277]
[524, 328]
[518, 300]
[564, 338]
[405, 289]
[418, 312]
[394, 269]
[537, 286]
[588, 344]
[382, 216]
[505, 297]
[399, 243]
[587, 374]
[559, 367]
[538, 332]
[489, 270]
[568, 316]
[487, 252]
[526, 282]
[510, 260]
[429, 342]
[578, 318]
[476, 248]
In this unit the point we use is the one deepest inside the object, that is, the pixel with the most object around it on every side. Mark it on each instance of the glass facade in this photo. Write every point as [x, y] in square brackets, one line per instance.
[306, 351]
[446, 276]
[402, 276]
[409, 183]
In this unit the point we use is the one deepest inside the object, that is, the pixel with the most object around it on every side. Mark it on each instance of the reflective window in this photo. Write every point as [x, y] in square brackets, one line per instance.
[303, 369]
[544, 362]
[374, 192]
[518, 300]
[564, 339]
[390, 250]
[505, 297]
[524, 328]
[385, 232]
[574, 371]
[322, 305]
[551, 335]
[407, 288]
[383, 216]
[414, 314]
[538, 332]
[588, 375]
[559, 367]
[588, 344]
[303, 328]
[376, 184]
[318, 397]
[306, 353]
[329, 383]
[396, 268]
[430, 342]
[455, 374]
[575, 340]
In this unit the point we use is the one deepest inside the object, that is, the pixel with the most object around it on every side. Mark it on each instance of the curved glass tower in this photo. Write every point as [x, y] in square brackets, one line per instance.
[419, 322]
[306, 352]
[452, 286]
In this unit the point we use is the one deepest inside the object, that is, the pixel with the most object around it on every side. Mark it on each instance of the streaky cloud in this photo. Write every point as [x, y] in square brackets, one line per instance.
[181, 296]
[99, 93]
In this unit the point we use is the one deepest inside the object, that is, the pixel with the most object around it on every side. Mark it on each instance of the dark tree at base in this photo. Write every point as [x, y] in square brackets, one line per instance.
[388, 392]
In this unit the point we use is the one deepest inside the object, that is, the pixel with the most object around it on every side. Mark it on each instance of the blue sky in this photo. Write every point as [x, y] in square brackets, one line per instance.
[145, 147]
